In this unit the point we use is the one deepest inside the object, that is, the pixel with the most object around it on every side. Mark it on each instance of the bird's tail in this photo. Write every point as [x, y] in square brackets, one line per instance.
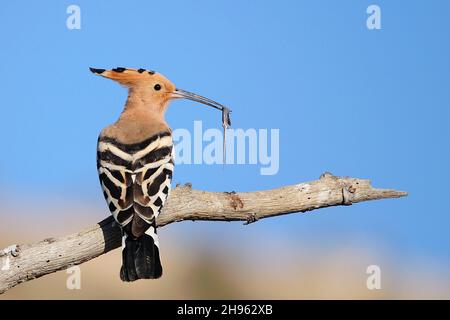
[140, 257]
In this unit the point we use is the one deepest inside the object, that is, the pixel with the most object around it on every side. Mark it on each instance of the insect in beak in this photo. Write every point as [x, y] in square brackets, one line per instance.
[226, 121]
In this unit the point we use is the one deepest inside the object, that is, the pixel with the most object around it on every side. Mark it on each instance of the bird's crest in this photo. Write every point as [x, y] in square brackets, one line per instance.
[125, 76]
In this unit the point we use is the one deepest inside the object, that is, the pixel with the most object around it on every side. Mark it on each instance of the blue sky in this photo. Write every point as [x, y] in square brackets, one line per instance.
[369, 104]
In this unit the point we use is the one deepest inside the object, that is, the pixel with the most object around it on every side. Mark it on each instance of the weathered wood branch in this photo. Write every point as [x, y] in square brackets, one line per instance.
[26, 262]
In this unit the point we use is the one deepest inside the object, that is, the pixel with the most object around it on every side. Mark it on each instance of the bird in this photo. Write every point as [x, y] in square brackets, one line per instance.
[135, 164]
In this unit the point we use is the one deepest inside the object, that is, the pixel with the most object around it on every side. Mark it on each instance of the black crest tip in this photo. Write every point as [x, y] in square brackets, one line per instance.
[119, 69]
[141, 70]
[97, 71]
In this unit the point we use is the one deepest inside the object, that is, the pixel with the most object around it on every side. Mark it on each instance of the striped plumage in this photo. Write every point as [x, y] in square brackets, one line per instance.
[135, 165]
[135, 176]
[136, 180]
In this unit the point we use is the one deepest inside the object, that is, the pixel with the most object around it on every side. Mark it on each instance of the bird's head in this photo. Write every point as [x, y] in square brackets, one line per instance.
[151, 89]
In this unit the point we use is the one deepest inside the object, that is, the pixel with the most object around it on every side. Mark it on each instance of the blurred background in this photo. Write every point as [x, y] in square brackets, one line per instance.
[349, 100]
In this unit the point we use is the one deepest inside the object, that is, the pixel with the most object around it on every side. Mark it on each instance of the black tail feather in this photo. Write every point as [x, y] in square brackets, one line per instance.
[140, 259]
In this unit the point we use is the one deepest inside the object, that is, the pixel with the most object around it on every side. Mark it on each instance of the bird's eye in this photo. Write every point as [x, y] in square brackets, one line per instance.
[157, 87]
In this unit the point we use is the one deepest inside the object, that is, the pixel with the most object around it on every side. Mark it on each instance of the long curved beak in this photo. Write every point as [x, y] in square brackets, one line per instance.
[182, 94]
[226, 121]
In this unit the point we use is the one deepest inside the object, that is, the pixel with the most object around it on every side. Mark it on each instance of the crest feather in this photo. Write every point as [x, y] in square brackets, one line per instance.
[125, 76]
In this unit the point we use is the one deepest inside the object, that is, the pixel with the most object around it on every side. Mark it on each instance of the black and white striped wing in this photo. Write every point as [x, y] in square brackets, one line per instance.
[136, 179]
[153, 168]
[116, 179]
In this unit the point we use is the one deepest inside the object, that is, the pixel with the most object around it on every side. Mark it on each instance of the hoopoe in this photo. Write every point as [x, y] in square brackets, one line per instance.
[135, 165]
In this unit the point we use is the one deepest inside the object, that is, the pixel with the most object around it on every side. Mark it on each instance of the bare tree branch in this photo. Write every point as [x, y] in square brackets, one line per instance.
[30, 261]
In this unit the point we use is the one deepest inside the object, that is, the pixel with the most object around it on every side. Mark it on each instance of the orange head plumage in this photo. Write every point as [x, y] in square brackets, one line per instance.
[151, 89]
[148, 98]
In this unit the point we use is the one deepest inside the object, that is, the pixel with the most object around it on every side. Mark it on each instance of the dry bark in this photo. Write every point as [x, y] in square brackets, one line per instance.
[30, 261]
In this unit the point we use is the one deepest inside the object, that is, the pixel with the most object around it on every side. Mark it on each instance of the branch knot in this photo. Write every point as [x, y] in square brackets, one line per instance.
[348, 192]
[235, 200]
[14, 250]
